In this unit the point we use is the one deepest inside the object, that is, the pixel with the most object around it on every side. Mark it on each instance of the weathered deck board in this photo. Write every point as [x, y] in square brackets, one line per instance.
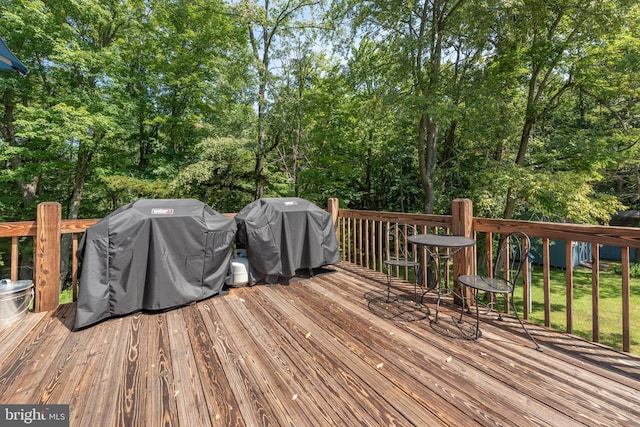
[360, 378]
[192, 408]
[542, 377]
[478, 400]
[312, 382]
[32, 356]
[221, 402]
[131, 395]
[161, 409]
[328, 350]
[102, 387]
[12, 335]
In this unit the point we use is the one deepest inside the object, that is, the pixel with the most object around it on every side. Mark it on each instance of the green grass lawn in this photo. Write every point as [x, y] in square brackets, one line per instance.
[610, 304]
[66, 296]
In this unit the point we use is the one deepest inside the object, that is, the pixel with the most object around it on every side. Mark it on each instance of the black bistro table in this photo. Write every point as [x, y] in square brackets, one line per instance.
[441, 247]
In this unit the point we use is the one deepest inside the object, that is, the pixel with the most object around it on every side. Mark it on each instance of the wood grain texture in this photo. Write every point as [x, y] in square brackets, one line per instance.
[187, 388]
[46, 258]
[161, 408]
[322, 351]
[22, 370]
[17, 229]
[132, 393]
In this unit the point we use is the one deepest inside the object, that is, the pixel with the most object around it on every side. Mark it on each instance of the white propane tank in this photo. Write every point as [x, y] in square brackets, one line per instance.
[240, 267]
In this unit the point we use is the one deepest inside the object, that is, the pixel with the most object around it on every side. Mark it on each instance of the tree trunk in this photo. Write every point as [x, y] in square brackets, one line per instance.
[28, 190]
[427, 152]
[510, 205]
[367, 177]
[82, 168]
[260, 153]
[449, 141]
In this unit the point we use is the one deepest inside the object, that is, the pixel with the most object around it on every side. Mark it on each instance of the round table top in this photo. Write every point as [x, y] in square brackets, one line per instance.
[441, 240]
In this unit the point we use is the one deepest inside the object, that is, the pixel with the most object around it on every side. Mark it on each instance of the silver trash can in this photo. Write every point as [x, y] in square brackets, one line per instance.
[15, 298]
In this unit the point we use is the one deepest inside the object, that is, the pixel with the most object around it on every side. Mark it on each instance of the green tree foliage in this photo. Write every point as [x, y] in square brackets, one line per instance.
[220, 174]
[511, 107]
[120, 94]
[269, 24]
[527, 107]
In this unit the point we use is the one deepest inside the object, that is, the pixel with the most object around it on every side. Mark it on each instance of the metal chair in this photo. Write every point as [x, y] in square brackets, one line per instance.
[401, 254]
[513, 252]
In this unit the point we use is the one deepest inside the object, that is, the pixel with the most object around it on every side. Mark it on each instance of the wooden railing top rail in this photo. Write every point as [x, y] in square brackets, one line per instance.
[444, 221]
[28, 228]
[76, 225]
[18, 229]
[606, 235]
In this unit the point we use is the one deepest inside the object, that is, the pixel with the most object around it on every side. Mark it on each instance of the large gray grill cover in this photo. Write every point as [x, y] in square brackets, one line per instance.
[282, 235]
[152, 255]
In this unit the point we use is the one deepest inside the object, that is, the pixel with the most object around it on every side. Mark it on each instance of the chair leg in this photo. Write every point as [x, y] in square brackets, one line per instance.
[491, 300]
[388, 284]
[513, 305]
[415, 287]
[436, 281]
[416, 275]
[477, 338]
[462, 289]
[437, 306]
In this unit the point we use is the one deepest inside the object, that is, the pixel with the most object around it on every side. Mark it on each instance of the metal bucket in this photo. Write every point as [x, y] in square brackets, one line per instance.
[15, 298]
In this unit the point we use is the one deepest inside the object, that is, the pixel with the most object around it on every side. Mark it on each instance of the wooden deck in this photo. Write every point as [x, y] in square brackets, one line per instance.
[315, 352]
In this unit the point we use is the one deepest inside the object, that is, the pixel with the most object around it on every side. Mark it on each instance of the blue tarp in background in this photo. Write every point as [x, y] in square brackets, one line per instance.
[581, 252]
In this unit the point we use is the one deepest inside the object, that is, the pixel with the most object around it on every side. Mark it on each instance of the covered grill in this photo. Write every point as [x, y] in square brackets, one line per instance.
[152, 255]
[283, 235]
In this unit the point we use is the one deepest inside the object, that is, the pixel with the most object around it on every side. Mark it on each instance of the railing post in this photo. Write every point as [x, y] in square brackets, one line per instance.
[462, 225]
[333, 206]
[47, 256]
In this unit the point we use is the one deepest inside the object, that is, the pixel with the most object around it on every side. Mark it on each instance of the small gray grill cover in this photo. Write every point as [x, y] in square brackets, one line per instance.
[282, 235]
[152, 255]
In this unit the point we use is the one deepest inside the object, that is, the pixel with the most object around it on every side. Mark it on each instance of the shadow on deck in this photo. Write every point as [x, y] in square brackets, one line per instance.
[321, 351]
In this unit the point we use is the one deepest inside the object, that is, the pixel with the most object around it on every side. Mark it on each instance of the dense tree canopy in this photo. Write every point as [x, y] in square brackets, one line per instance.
[527, 107]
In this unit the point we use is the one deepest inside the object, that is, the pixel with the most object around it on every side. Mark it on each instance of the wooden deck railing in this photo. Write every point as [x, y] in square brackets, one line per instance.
[46, 232]
[360, 237]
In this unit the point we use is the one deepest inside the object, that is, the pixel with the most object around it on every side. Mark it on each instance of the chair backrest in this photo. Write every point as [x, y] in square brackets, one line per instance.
[513, 252]
[398, 247]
